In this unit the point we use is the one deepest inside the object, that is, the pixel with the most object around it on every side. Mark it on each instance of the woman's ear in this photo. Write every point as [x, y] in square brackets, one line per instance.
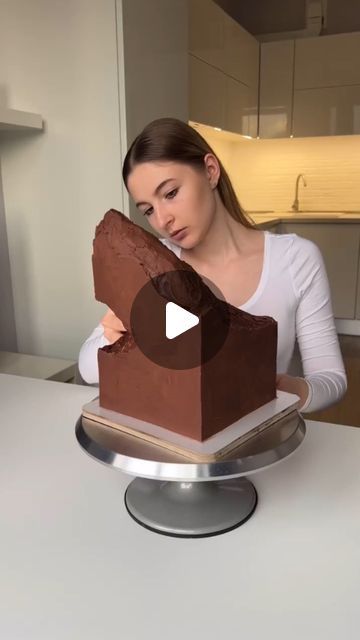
[212, 169]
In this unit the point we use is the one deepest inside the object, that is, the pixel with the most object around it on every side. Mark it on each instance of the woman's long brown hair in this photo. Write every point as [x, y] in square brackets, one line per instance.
[171, 140]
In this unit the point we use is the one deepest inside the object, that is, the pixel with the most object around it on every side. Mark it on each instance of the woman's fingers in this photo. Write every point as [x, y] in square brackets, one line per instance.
[111, 321]
[113, 327]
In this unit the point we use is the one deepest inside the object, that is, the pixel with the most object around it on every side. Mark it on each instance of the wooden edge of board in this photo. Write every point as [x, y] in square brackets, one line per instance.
[187, 453]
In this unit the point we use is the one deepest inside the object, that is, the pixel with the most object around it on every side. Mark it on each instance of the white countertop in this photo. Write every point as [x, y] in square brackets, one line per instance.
[21, 364]
[75, 566]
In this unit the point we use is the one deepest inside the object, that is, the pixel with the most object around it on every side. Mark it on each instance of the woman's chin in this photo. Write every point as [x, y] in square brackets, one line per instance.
[186, 244]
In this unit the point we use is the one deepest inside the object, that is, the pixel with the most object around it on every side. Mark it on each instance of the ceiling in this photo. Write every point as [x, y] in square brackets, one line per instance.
[261, 17]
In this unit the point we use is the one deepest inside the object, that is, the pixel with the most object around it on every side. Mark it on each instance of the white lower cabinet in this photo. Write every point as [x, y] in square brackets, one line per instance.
[357, 309]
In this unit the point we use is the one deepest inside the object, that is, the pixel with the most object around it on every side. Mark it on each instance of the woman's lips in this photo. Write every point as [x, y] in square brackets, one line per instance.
[179, 235]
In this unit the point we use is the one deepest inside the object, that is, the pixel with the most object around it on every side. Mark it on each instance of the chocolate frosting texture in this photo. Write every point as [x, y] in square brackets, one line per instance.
[198, 401]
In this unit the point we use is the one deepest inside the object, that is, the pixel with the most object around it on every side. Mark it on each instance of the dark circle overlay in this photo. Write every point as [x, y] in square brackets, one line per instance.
[196, 294]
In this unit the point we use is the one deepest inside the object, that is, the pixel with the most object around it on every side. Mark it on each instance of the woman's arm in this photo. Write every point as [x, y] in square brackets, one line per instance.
[293, 384]
[88, 356]
[107, 332]
[322, 362]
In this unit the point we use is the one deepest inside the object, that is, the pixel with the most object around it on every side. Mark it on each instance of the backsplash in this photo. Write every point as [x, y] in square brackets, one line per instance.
[264, 172]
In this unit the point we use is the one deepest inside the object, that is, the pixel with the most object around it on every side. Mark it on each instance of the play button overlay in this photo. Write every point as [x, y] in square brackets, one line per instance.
[179, 320]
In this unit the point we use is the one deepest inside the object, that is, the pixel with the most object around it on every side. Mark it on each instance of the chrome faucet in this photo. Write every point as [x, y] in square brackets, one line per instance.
[295, 204]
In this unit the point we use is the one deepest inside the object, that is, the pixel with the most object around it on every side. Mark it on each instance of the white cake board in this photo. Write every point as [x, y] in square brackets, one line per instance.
[214, 447]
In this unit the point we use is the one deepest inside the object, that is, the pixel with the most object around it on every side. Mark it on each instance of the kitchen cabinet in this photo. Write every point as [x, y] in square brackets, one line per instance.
[206, 32]
[240, 108]
[223, 70]
[327, 85]
[207, 87]
[310, 87]
[276, 89]
[339, 245]
[327, 61]
[220, 41]
[220, 101]
[267, 225]
[357, 309]
[275, 228]
[327, 111]
[240, 59]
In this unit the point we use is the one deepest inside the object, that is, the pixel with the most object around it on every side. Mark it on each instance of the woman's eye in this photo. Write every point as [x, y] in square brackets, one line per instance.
[172, 193]
[148, 211]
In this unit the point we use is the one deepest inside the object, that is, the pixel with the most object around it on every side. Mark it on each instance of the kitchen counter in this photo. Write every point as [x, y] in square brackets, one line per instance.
[269, 219]
[20, 364]
[75, 565]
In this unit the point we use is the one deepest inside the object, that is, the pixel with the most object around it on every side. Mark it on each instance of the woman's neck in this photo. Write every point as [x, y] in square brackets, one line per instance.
[226, 240]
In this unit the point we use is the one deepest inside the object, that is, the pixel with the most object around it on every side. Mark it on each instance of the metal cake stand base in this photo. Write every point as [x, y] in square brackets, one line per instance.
[190, 509]
[176, 497]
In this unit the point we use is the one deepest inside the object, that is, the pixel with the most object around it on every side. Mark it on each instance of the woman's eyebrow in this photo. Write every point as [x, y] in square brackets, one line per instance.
[158, 188]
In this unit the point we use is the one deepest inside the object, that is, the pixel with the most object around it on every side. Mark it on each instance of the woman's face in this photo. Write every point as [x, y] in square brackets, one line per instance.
[178, 200]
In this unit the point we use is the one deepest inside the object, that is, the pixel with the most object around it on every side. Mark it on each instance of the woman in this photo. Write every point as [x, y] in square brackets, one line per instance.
[177, 181]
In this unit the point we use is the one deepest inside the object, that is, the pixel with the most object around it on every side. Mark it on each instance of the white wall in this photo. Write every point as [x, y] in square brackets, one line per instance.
[58, 58]
[156, 61]
[155, 35]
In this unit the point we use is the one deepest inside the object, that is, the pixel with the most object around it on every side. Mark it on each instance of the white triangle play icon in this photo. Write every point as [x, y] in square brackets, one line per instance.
[178, 320]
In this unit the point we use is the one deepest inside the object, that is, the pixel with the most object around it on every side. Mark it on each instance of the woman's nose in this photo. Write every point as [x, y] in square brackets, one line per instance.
[164, 216]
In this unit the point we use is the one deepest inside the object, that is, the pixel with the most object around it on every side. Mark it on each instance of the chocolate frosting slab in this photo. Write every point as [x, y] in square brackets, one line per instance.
[197, 401]
[126, 257]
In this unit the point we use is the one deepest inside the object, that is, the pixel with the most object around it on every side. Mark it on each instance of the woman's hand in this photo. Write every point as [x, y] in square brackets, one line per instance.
[113, 327]
[291, 384]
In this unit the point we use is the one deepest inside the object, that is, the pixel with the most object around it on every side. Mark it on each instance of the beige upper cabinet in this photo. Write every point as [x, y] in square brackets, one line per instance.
[241, 53]
[207, 89]
[220, 101]
[206, 32]
[357, 310]
[327, 111]
[327, 61]
[223, 70]
[276, 89]
[327, 85]
[310, 87]
[240, 108]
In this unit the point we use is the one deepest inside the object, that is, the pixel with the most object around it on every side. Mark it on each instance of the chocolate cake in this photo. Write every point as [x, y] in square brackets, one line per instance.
[197, 401]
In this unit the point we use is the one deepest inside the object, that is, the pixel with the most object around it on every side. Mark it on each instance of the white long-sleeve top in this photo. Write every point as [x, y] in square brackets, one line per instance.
[294, 290]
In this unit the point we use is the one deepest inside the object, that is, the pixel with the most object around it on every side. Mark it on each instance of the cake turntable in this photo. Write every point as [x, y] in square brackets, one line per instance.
[173, 496]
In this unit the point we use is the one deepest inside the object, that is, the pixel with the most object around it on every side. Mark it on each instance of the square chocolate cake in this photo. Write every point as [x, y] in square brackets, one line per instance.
[199, 382]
